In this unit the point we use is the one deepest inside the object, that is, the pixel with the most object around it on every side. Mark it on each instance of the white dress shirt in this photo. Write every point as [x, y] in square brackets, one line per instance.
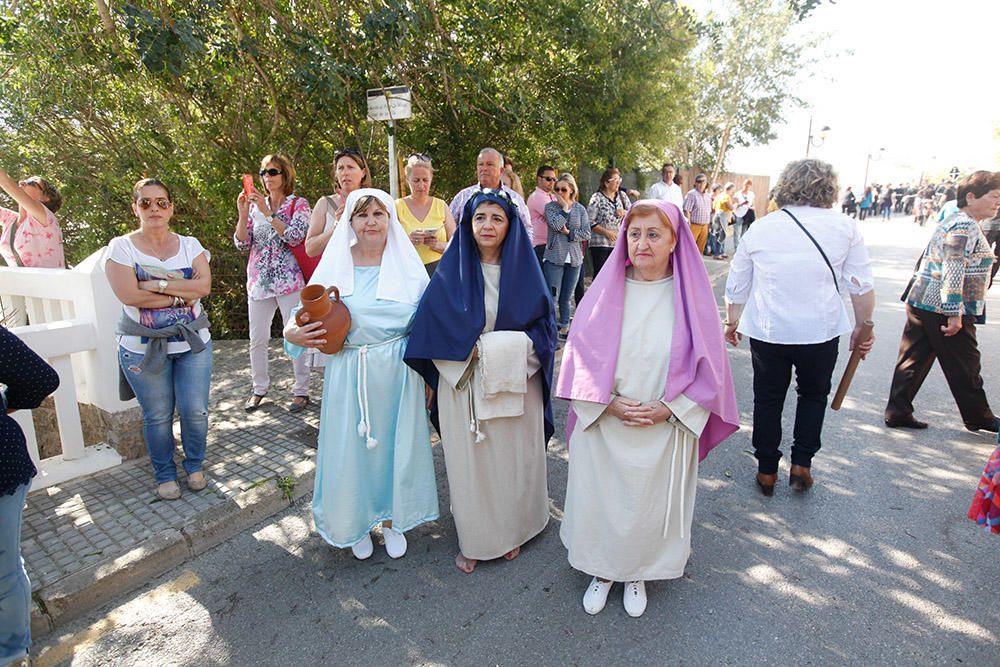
[787, 288]
[457, 205]
[670, 192]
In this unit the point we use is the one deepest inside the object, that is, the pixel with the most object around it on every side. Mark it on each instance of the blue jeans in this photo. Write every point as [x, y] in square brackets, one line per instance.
[182, 382]
[715, 246]
[561, 279]
[15, 589]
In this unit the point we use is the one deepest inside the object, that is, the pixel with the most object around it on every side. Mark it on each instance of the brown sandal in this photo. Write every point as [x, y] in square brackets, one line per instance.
[253, 402]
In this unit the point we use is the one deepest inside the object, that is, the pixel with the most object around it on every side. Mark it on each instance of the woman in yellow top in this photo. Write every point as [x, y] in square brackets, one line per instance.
[723, 207]
[426, 219]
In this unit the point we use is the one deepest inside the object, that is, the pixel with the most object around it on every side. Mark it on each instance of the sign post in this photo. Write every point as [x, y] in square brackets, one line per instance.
[390, 104]
[954, 173]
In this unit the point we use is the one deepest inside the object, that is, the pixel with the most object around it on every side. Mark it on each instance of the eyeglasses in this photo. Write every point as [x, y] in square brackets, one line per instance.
[161, 202]
[550, 179]
[562, 189]
[270, 172]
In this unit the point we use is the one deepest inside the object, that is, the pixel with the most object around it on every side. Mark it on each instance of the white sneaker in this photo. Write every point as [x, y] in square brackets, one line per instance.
[364, 548]
[596, 596]
[635, 598]
[395, 542]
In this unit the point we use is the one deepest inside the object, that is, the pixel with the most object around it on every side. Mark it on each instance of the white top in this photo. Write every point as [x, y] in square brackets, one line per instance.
[122, 251]
[779, 274]
[744, 202]
[667, 192]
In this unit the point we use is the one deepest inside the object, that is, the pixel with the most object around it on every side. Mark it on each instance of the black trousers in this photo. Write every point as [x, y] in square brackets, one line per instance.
[599, 255]
[958, 355]
[772, 373]
[540, 253]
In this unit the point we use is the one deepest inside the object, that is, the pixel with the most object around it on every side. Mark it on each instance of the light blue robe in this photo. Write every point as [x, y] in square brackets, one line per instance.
[356, 487]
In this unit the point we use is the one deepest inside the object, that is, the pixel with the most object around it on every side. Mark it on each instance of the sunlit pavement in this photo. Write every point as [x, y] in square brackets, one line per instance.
[877, 564]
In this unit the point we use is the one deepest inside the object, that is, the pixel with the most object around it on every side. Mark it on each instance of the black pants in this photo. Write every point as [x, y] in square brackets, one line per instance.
[958, 355]
[540, 253]
[599, 255]
[772, 373]
[993, 239]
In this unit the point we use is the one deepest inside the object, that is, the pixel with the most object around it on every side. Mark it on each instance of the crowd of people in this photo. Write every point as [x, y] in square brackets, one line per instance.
[457, 311]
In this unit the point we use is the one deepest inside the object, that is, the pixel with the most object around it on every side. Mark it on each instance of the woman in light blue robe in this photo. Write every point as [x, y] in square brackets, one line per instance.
[374, 462]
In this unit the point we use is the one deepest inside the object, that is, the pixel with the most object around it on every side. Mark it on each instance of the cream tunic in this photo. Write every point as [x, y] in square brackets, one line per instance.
[630, 493]
[499, 494]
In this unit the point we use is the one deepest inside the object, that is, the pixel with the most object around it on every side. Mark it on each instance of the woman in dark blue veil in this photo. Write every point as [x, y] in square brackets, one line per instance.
[492, 386]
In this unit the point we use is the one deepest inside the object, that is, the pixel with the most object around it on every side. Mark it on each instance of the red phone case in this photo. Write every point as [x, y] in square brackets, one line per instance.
[248, 184]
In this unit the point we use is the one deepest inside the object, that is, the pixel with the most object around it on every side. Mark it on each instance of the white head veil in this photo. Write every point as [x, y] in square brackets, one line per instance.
[402, 277]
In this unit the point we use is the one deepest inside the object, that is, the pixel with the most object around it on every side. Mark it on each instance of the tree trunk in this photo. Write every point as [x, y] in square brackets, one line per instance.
[109, 23]
[720, 157]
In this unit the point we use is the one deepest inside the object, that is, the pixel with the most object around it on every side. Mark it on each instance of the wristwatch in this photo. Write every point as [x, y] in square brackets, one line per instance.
[161, 285]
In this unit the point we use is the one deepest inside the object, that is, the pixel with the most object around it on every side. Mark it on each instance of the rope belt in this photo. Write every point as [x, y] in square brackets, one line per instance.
[365, 425]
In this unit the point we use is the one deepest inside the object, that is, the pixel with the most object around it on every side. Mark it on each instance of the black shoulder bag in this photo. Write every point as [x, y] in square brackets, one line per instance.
[818, 247]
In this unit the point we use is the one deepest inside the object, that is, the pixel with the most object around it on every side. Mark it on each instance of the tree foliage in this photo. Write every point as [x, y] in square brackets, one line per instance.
[195, 91]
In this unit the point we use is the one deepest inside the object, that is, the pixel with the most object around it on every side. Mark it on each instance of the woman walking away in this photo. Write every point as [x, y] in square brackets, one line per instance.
[164, 347]
[606, 209]
[426, 219]
[788, 274]
[374, 462]
[652, 393]
[484, 337]
[268, 227]
[946, 296]
[569, 229]
[25, 379]
[30, 236]
[350, 173]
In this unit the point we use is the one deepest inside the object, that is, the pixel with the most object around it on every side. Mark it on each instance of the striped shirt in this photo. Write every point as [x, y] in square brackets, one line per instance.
[954, 272]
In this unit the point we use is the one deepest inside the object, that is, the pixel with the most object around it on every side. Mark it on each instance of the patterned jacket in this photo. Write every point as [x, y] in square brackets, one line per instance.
[560, 245]
[954, 272]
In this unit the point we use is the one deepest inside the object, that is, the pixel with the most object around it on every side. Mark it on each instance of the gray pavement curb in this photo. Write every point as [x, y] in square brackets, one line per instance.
[99, 583]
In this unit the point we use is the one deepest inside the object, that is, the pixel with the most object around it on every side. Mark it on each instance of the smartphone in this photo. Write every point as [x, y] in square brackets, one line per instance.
[248, 184]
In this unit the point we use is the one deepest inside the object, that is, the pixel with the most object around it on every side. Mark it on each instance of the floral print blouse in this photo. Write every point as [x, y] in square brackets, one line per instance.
[272, 269]
[37, 245]
[604, 213]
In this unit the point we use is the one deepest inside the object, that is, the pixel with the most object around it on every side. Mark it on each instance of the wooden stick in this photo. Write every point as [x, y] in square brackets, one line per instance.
[852, 364]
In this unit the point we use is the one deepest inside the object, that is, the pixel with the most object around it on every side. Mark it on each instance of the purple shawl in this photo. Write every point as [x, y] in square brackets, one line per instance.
[699, 367]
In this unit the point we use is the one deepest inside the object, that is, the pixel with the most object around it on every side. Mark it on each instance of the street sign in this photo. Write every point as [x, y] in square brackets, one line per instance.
[954, 173]
[389, 103]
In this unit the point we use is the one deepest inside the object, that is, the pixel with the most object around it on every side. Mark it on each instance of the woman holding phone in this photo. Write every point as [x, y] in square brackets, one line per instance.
[426, 219]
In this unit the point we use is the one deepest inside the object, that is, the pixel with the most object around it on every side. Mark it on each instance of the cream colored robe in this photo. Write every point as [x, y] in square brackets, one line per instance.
[630, 493]
[499, 492]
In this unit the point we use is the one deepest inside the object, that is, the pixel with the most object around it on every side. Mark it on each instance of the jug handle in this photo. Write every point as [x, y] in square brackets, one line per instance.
[336, 292]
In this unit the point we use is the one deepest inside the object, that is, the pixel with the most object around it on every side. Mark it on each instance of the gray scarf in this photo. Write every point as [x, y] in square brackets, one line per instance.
[156, 349]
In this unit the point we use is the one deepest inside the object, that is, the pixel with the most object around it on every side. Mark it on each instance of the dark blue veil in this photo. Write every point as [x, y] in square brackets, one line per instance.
[452, 313]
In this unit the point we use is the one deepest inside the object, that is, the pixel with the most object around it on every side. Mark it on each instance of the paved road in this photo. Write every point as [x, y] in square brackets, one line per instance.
[876, 565]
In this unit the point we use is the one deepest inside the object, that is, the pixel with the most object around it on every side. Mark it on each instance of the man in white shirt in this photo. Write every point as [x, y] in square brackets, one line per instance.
[488, 166]
[743, 212]
[666, 189]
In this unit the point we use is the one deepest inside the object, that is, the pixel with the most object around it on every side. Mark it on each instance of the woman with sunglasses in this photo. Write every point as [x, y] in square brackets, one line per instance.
[30, 236]
[268, 226]
[426, 219]
[350, 173]
[164, 347]
[569, 228]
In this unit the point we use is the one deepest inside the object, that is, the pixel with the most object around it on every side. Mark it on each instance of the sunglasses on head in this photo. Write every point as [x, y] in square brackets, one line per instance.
[347, 151]
[146, 203]
[270, 172]
[423, 157]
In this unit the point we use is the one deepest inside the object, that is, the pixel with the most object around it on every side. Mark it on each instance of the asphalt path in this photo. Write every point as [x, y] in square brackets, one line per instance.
[877, 564]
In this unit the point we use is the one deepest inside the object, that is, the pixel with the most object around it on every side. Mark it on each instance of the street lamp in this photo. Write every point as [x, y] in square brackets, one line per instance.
[871, 158]
[811, 141]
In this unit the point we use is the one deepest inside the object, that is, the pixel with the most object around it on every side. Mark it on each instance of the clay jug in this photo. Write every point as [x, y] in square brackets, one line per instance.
[332, 312]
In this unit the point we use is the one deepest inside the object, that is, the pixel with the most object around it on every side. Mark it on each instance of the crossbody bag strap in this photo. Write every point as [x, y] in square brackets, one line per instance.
[913, 276]
[818, 247]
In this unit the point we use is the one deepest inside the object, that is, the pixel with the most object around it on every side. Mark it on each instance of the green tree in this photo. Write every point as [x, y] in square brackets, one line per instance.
[748, 62]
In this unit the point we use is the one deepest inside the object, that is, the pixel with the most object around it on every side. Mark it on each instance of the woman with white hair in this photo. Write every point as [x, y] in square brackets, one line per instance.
[374, 462]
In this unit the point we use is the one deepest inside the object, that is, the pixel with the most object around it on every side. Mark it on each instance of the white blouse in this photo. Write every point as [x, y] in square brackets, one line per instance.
[788, 291]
